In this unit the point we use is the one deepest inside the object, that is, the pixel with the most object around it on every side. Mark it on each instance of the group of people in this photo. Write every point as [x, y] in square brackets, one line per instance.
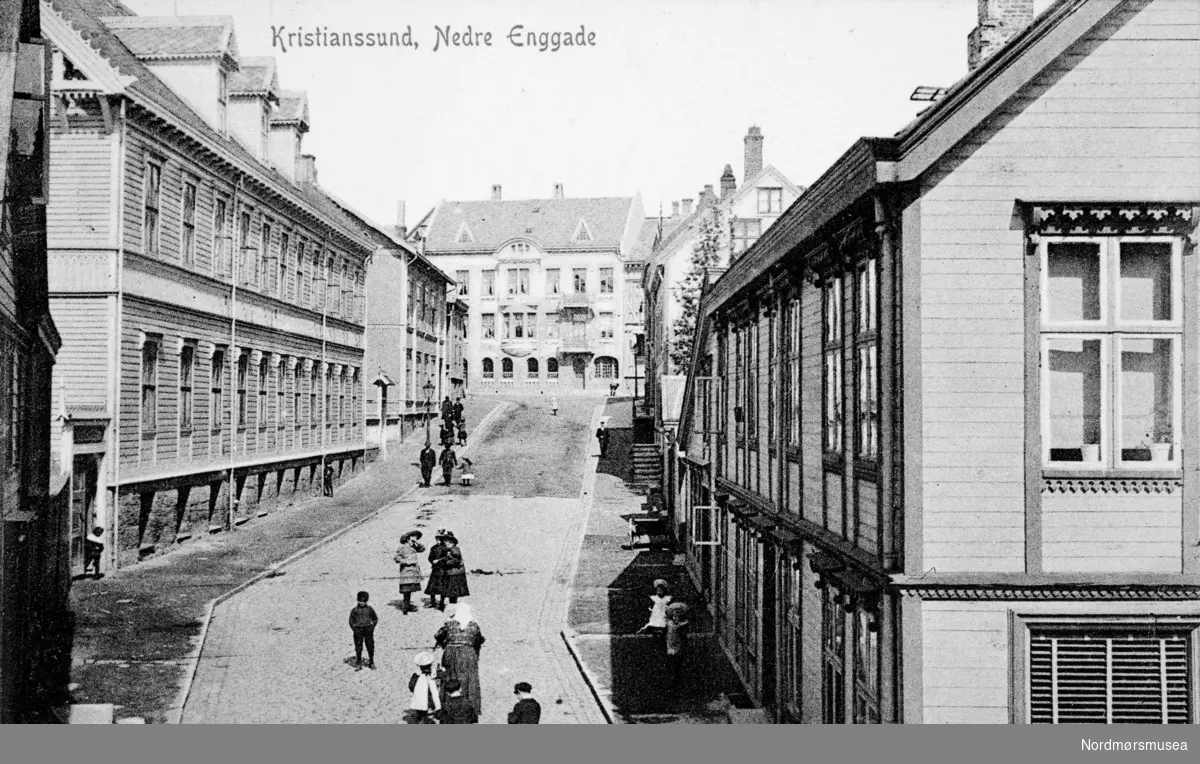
[453, 429]
[448, 693]
[668, 625]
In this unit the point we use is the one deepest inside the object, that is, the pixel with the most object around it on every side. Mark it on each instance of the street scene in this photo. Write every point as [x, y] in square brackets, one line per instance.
[378, 363]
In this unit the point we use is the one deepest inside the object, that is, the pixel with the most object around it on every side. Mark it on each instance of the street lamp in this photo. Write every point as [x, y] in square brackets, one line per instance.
[428, 388]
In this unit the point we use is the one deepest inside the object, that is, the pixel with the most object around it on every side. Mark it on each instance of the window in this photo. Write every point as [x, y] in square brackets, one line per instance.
[606, 281]
[283, 285]
[583, 233]
[1111, 674]
[507, 326]
[833, 679]
[489, 283]
[343, 304]
[187, 358]
[243, 369]
[489, 369]
[1110, 343]
[531, 325]
[222, 100]
[328, 395]
[221, 260]
[518, 281]
[16, 409]
[579, 275]
[635, 299]
[531, 367]
[149, 387]
[833, 365]
[216, 405]
[518, 325]
[487, 326]
[551, 324]
[747, 617]
[745, 232]
[243, 243]
[506, 368]
[264, 370]
[794, 377]
[751, 375]
[314, 381]
[355, 415]
[151, 189]
[261, 278]
[770, 201]
[342, 413]
[552, 368]
[280, 383]
[606, 326]
[264, 130]
[463, 278]
[552, 280]
[866, 345]
[606, 368]
[297, 381]
[866, 669]
[188, 249]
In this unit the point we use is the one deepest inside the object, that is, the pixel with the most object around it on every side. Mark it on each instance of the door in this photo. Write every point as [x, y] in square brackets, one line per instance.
[84, 475]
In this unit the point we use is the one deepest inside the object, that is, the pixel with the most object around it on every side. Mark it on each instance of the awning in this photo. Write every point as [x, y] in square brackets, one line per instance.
[382, 380]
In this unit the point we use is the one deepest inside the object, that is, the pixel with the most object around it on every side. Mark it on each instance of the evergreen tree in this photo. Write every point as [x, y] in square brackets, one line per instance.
[706, 253]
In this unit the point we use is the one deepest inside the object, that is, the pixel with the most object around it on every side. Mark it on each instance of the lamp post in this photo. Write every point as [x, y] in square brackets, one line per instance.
[428, 388]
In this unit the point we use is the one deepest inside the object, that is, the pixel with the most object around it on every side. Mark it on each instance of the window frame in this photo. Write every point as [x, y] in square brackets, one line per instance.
[187, 217]
[607, 283]
[152, 175]
[773, 198]
[488, 288]
[187, 375]
[151, 358]
[553, 280]
[741, 240]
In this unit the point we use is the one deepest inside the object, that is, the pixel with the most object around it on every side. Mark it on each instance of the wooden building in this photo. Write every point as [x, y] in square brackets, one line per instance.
[209, 294]
[942, 430]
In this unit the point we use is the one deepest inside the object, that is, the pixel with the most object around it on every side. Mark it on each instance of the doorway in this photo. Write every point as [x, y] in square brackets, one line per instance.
[85, 474]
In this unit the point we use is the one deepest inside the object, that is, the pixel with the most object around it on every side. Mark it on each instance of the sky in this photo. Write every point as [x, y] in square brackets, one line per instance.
[658, 104]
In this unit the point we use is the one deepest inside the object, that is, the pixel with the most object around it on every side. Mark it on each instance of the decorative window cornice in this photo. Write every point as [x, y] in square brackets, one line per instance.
[1055, 592]
[1112, 485]
[1109, 219]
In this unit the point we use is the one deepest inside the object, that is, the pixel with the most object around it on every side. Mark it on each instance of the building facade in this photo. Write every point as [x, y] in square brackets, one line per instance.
[941, 423]
[35, 578]
[545, 284]
[211, 296]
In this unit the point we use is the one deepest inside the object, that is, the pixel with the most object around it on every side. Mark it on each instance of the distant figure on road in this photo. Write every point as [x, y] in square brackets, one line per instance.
[462, 433]
[447, 408]
[362, 623]
[657, 625]
[448, 461]
[527, 710]
[461, 640]
[612, 389]
[428, 461]
[436, 586]
[554, 405]
[454, 585]
[468, 469]
[328, 480]
[675, 640]
[603, 435]
[93, 550]
[458, 410]
[426, 694]
[457, 709]
[410, 568]
[447, 435]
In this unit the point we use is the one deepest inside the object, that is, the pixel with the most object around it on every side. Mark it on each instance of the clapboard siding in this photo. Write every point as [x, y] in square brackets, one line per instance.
[810, 415]
[1112, 532]
[81, 369]
[965, 664]
[81, 204]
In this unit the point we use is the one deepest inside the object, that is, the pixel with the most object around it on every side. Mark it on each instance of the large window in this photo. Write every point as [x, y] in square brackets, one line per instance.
[550, 321]
[747, 618]
[866, 350]
[833, 365]
[489, 368]
[280, 384]
[150, 386]
[1111, 330]
[866, 669]
[793, 395]
[518, 281]
[552, 368]
[833, 647]
[489, 284]
[283, 286]
[151, 190]
[314, 383]
[487, 326]
[243, 369]
[745, 232]
[606, 281]
[221, 259]
[770, 201]
[243, 243]
[579, 279]
[506, 368]
[261, 279]
[605, 325]
[264, 371]
[216, 403]
[463, 279]
[606, 368]
[552, 280]
[187, 359]
[188, 245]
[1119, 673]
[297, 381]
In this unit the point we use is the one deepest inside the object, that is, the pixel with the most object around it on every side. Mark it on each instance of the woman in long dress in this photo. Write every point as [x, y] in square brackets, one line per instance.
[436, 586]
[410, 568]
[454, 585]
[461, 640]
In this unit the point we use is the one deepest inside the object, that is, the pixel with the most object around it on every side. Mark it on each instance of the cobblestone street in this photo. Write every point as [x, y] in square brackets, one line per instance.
[281, 651]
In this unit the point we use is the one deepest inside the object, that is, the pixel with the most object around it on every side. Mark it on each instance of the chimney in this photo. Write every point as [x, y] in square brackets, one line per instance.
[558, 190]
[728, 182]
[707, 194]
[999, 22]
[306, 170]
[687, 208]
[401, 227]
[674, 209]
[496, 192]
[753, 154]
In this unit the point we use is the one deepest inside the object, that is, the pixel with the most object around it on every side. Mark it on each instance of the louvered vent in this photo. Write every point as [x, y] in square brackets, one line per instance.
[1109, 678]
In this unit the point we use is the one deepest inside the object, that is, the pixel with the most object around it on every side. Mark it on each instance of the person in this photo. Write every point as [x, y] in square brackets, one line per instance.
[436, 586]
[527, 710]
[554, 405]
[448, 461]
[612, 389]
[462, 433]
[410, 569]
[329, 480]
[675, 639]
[468, 475]
[362, 623]
[447, 435]
[657, 625]
[426, 695]
[457, 709]
[461, 641]
[93, 550]
[603, 435]
[458, 410]
[454, 585]
[447, 408]
[428, 460]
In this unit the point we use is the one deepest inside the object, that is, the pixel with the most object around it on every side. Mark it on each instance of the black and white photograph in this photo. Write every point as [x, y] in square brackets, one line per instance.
[602, 362]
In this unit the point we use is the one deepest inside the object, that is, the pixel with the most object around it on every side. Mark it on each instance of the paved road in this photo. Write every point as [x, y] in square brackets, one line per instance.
[280, 652]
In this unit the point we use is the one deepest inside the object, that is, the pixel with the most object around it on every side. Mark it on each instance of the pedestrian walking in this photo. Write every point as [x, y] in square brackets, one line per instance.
[426, 694]
[93, 550]
[603, 435]
[553, 406]
[436, 586]
[362, 622]
[468, 469]
[458, 410]
[328, 480]
[675, 639]
[428, 461]
[448, 461]
[462, 433]
[612, 389]
[410, 568]
[657, 625]
[454, 585]
[447, 408]
[457, 708]
[446, 435]
[527, 710]
[461, 641]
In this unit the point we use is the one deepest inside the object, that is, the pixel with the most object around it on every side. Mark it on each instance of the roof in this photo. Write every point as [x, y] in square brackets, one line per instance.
[293, 107]
[550, 223]
[654, 231]
[171, 37]
[383, 236]
[256, 75]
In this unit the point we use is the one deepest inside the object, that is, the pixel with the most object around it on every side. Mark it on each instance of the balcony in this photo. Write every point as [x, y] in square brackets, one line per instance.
[576, 344]
[577, 300]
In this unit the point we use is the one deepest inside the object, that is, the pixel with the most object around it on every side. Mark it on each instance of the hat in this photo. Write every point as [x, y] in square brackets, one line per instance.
[409, 535]
[677, 610]
[424, 659]
[450, 537]
[523, 687]
[661, 582]
[442, 533]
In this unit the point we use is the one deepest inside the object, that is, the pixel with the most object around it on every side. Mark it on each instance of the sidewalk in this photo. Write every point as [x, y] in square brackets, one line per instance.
[610, 602]
[138, 630]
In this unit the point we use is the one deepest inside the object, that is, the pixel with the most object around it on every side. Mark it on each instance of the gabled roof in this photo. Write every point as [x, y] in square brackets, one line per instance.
[384, 238]
[653, 231]
[292, 109]
[256, 76]
[551, 223]
[749, 184]
[173, 37]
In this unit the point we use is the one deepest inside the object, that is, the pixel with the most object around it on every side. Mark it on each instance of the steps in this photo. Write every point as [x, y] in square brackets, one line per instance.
[647, 465]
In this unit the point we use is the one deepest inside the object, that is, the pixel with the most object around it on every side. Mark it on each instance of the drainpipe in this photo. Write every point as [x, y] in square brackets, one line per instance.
[234, 267]
[324, 354]
[115, 388]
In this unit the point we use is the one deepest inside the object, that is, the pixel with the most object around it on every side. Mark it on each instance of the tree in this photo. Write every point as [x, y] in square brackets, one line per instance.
[706, 253]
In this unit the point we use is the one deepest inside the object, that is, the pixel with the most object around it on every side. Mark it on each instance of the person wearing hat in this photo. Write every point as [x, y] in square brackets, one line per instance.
[93, 550]
[457, 709]
[426, 695]
[362, 622]
[428, 462]
[455, 583]
[657, 625]
[675, 639]
[448, 461]
[527, 710]
[410, 568]
[436, 586]
[461, 641]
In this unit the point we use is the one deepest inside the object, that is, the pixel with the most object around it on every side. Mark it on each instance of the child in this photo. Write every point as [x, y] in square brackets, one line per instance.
[527, 710]
[426, 699]
[93, 550]
[462, 433]
[657, 625]
[362, 623]
[457, 709]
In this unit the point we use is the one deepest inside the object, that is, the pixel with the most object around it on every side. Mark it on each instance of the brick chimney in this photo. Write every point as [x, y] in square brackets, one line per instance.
[558, 190]
[674, 209]
[496, 192]
[728, 182]
[999, 22]
[306, 169]
[686, 207]
[754, 142]
[401, 223]
[707, 194]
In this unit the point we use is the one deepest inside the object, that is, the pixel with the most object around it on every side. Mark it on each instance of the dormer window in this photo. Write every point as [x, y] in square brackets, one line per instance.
[222, 100]
[464, 235]
[582, 232]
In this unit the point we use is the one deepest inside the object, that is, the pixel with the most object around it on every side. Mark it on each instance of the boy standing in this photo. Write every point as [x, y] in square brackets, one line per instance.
[362, 623]
[457, 709]
[527, 710]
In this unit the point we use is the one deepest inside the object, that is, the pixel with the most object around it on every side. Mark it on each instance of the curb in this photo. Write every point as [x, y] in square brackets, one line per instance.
[175, 712]
[568, 637]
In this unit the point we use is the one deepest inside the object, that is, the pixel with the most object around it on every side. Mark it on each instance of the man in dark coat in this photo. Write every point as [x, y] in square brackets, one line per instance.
[458, 410]
[448, 461]
[447, 408]
[428, 461]
[527, 710]
[328, 480]
[457, 709]
[602, 435]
